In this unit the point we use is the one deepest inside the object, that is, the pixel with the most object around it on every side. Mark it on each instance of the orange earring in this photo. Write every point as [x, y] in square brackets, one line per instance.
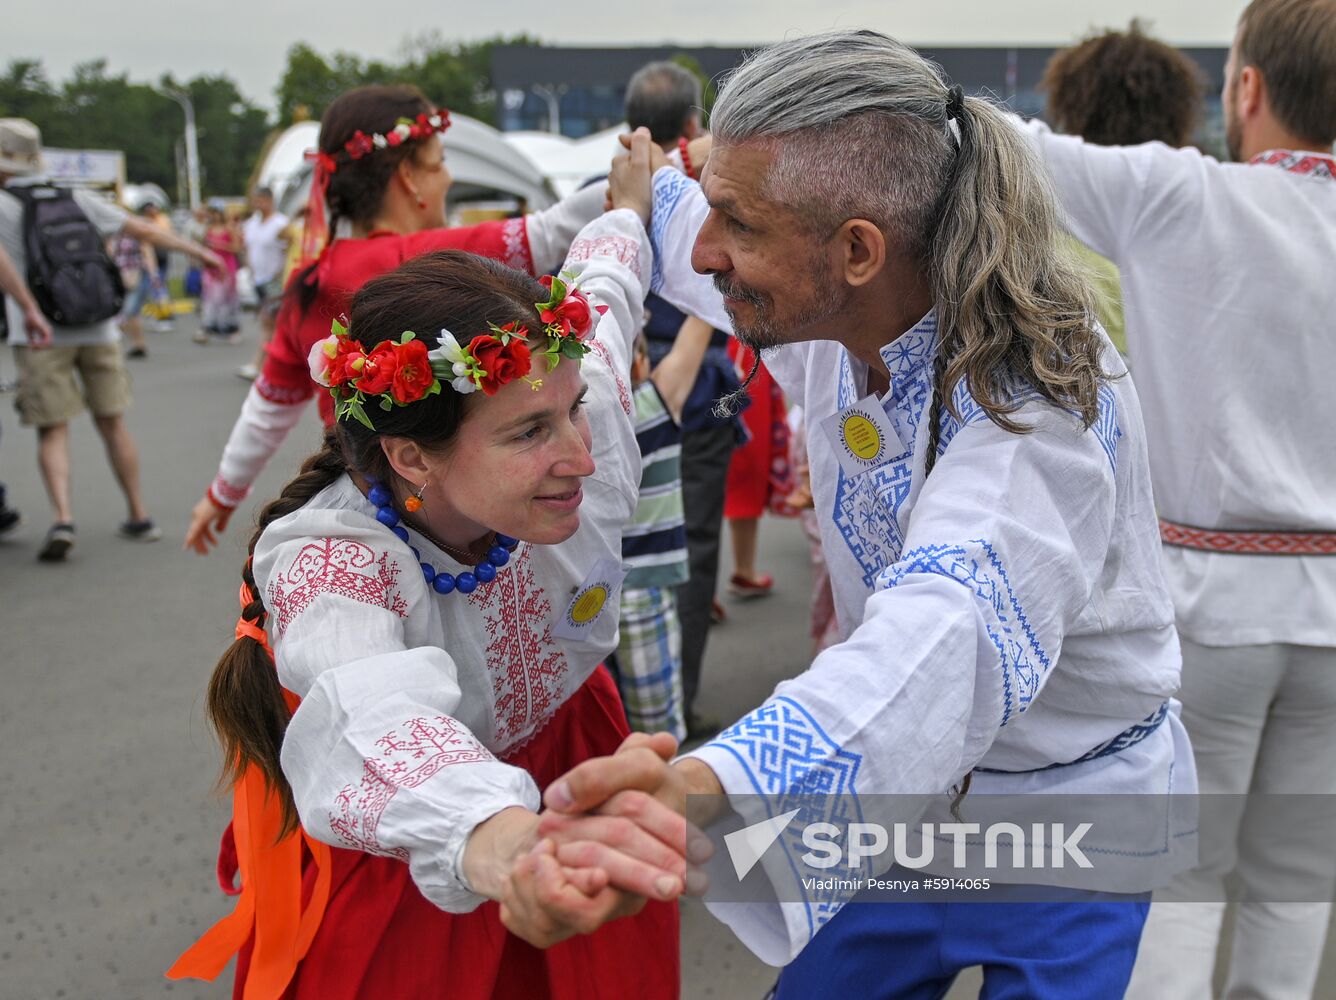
[414, 503]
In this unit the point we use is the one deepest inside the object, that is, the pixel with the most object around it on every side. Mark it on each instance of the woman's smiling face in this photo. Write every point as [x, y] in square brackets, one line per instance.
[517, 462]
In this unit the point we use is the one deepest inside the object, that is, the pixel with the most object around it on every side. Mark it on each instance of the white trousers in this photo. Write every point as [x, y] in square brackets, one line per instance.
[1262, 719]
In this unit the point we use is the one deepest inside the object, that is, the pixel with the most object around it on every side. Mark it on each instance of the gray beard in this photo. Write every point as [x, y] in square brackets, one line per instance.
[761, 333]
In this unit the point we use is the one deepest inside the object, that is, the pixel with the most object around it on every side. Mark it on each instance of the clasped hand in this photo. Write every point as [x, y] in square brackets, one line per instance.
[612, 837]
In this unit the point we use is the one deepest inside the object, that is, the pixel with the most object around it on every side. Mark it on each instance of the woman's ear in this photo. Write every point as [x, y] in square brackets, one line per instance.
[406, 458]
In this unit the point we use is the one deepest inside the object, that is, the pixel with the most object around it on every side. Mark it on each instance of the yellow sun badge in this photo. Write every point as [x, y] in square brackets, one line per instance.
[863, 436]
[599, 589]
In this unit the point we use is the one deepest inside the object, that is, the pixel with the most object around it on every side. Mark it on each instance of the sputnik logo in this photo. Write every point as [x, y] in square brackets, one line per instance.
[746, 846]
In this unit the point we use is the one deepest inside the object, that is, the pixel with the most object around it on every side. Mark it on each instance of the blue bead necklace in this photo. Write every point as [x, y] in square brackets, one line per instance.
[443, 583]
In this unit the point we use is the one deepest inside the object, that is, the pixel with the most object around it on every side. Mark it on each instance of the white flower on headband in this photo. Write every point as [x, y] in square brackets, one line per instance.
[379, 141]
[404, 130]
[459, 362]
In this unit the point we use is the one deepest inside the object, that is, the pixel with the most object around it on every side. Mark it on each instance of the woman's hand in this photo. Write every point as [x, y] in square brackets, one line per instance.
[629, 182]
[544, 902]
[205, 519]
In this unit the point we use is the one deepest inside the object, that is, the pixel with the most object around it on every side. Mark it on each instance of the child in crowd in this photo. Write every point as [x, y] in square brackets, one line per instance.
[654, 546]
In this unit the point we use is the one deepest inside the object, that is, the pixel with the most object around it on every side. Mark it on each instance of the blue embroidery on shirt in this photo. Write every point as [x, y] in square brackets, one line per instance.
[1106, 425]
[668, 191]
[785, 753]
[867, 507]
[1023, 659]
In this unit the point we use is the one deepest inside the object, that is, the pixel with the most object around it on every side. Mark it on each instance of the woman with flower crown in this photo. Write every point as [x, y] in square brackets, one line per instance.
[437, 589]
[381, 173]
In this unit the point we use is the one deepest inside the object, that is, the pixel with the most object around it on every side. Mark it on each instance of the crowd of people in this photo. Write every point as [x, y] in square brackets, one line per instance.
[1043, 396]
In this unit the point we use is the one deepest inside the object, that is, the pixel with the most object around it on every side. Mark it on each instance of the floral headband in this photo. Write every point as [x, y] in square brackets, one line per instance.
[316, 234]
[401, 372]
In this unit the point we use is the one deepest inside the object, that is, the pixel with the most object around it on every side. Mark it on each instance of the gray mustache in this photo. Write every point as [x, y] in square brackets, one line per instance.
[732, 291]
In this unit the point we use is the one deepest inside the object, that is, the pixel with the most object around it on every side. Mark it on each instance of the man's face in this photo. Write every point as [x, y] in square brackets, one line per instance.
[779, 282]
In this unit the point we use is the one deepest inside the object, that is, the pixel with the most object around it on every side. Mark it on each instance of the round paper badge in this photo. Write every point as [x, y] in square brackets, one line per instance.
[861, 437]
[587, 605]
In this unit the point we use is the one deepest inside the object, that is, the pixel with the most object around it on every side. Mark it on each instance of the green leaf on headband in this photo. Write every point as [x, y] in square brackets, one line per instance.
[357, 413]
[387, 402]
[406, 337]
[572, 349]
[339, 329]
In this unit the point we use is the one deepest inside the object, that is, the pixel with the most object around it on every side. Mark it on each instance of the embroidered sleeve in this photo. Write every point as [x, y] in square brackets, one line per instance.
[1005, 547]
[679, 211]
[268, 414]
[610, 259]
[376, 754]
[551, 230]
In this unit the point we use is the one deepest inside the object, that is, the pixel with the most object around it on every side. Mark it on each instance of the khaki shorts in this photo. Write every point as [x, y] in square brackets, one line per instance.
[49, 394]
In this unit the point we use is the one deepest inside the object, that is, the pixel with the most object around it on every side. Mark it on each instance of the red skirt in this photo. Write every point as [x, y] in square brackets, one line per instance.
[381, 938]
[760, 474]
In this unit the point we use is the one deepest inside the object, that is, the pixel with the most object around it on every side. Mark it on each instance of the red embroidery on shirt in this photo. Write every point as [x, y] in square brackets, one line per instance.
[283, 395]
[526, 668]
[1311, 164]
[515, 237]
[336, 566]
[621, 248]
[623, 394]
[226, 494]
[406, 761]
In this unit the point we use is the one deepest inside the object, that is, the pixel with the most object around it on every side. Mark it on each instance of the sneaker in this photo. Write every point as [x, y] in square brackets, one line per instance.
[139, 531]
[745, 586]
[249, 372]
[137, 352]
[59, 541]
[9, 520]
[201, 337]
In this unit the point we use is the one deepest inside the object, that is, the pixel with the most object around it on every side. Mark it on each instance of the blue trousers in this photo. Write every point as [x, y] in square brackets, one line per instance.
[1082, 948]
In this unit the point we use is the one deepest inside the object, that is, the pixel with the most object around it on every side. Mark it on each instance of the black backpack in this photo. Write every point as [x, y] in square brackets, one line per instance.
[69, 273]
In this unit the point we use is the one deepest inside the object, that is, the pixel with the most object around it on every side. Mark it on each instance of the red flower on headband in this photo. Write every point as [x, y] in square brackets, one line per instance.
[572, 314]
[378, 372]
[359, 145]
[501, 363]
[412, 374]
[340, 370]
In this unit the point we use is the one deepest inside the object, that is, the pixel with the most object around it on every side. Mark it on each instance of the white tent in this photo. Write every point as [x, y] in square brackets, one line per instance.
[568, 163]
[480, 160]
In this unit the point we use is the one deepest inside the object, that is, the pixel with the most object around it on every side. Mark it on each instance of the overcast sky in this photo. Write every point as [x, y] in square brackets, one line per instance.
[247, 39]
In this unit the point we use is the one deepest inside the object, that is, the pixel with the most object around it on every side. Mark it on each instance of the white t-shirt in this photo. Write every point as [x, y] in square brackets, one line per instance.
[107, 218]
[1228, 298]
[265, 252]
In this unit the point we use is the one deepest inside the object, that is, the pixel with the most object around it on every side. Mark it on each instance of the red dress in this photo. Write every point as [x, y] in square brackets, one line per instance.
[347, 265]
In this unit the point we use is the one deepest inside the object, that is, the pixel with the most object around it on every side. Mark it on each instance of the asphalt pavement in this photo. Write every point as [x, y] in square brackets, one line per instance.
[109, 817]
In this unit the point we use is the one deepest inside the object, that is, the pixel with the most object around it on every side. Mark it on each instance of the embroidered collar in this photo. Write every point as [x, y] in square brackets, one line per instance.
[1298, 162]
[907, 355]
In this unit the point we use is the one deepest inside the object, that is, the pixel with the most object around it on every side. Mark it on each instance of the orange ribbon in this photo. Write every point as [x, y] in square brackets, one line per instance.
[270, 866]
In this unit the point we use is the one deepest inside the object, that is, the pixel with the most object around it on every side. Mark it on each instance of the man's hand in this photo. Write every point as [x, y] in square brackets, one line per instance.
[629, 181]
[205, 519]
[637, 784]
[39, 330]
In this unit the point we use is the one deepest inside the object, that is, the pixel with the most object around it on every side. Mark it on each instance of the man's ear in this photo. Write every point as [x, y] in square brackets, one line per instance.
[863, 251]
[1251, 91]
[406, 458]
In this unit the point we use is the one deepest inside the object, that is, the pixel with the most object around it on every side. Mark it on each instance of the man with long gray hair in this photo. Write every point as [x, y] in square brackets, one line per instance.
[980, 472]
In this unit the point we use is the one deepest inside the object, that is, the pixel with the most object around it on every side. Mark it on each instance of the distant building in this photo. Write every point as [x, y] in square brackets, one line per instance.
[585, 88]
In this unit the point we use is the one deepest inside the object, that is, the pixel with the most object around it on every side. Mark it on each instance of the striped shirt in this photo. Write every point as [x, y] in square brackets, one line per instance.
[654, 544]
